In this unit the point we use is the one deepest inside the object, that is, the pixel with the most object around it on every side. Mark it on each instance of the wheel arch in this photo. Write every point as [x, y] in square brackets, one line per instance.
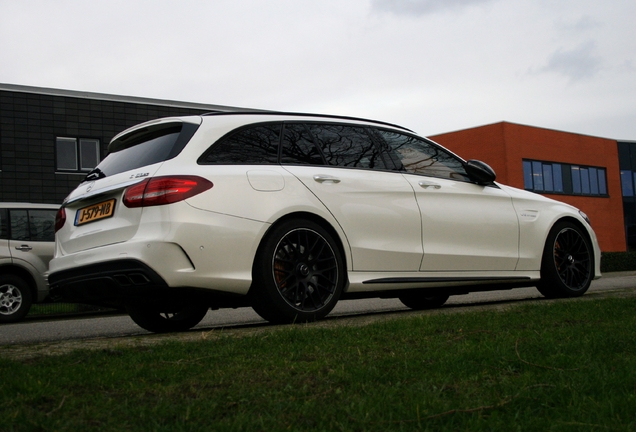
[567, 274]
[318, 220]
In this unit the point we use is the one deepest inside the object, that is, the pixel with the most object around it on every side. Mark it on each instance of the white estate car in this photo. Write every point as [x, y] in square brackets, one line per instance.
[27, 240]
[289, 213]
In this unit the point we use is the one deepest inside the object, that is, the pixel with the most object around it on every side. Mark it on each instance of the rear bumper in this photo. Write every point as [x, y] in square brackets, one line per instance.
[111, 284]
[119, 283]
[219, 261]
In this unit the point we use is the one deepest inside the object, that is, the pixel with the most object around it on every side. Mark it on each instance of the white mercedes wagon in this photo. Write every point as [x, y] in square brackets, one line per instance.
[289, 213]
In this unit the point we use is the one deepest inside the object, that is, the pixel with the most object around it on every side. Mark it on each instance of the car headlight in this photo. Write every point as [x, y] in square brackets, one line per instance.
[584, 216]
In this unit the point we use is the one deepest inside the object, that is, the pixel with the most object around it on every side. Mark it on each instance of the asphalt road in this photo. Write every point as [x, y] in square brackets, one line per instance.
[114, 326]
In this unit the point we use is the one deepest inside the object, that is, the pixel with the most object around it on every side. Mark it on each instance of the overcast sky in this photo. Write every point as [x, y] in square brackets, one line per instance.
[433, 66]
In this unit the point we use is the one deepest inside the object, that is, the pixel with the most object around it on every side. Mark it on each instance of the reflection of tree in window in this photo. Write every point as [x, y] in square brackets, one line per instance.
[298, 147]
[41, 225]
[19, 225]
[420, 157]
[347, 146]
[256, 145]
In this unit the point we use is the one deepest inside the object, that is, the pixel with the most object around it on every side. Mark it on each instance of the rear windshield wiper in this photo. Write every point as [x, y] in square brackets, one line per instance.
[95, 174]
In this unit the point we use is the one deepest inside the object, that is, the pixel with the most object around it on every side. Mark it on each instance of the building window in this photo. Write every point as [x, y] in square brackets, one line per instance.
[559, 178]
[76, 154]
[628, 179]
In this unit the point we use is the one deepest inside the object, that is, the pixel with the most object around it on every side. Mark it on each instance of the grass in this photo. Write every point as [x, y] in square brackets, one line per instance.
[563, 366]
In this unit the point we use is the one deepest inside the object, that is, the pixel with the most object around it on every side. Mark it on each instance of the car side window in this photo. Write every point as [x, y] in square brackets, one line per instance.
[418, 156]
[347, 146]
[42, 225]
[253, 145]
[19, 224]
[298, 147]
[32, 225]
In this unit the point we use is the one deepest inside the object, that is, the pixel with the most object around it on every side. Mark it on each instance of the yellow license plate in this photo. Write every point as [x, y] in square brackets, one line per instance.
[95, 212]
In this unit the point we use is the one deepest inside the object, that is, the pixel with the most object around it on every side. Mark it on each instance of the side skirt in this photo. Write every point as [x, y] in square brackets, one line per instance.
[446, 280]
[440, 285]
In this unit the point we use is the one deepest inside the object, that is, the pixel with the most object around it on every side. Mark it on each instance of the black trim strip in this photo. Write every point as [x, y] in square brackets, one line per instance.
[296, 114]
[445, 279]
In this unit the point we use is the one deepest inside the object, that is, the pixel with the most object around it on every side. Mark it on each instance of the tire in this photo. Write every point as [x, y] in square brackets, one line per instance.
[420, 300]
[298, 273]
[15, 298]
[153, 320]
[567, 264]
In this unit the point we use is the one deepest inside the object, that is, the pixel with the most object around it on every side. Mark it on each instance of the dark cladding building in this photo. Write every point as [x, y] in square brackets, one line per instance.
[50, 139]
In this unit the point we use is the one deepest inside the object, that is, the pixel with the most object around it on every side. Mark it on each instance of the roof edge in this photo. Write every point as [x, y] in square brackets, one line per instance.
[504, 123]
[117, 98]
[316, 115]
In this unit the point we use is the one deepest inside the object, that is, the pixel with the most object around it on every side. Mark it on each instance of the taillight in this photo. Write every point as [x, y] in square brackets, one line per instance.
[164, 190]
[60, 219]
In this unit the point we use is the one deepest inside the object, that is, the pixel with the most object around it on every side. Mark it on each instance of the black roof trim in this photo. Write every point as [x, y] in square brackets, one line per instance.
[297, 114]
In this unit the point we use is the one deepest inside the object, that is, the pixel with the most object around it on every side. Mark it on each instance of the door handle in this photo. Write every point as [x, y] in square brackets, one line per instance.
[24, 248]
[427, 184]
[326, 179]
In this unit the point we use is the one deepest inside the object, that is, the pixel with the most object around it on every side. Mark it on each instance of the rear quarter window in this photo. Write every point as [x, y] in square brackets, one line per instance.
[252, 145]
[42, 225]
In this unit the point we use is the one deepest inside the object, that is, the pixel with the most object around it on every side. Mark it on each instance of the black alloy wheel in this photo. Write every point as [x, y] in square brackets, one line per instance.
[567, 264]
[299, 273]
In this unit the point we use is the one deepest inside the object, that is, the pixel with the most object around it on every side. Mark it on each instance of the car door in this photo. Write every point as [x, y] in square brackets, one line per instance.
[375, 207]
[465, 226]
[32, 238]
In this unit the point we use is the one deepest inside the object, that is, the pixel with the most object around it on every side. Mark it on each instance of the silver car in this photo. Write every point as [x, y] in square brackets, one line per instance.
[27, 240]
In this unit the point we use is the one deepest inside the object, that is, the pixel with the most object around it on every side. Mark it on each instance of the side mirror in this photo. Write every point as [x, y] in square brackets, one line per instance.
[480, 172]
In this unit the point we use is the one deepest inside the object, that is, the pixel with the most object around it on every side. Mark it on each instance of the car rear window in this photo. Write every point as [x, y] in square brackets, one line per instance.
[146, 147]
